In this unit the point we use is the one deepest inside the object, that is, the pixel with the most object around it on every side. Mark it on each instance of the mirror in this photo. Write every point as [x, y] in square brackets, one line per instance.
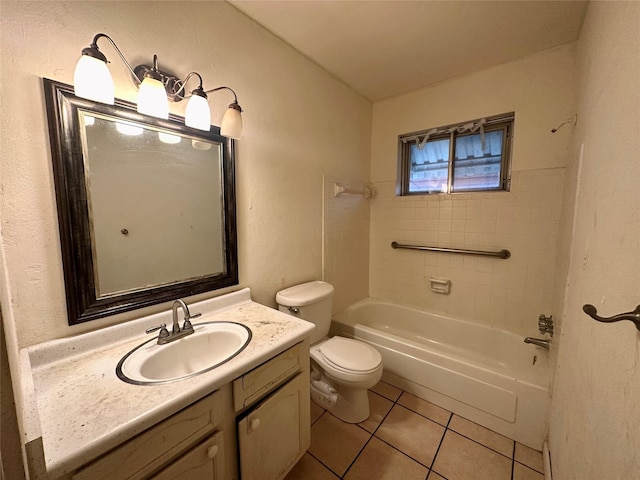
[146, 207]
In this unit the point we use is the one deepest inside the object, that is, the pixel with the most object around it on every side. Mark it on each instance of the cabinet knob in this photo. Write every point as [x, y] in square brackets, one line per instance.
[212, 451]
[255, 424]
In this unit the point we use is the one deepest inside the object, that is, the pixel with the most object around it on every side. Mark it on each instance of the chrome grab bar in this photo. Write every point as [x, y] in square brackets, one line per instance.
[504, 254]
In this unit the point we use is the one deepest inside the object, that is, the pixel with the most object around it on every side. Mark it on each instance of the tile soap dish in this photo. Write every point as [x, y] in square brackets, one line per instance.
[440, 285]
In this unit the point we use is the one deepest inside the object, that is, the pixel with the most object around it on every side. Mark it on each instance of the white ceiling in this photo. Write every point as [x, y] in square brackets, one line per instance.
[384, 48]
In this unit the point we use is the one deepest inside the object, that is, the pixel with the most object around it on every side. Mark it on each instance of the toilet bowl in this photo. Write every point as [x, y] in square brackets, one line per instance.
[350, 376]
[342, 369]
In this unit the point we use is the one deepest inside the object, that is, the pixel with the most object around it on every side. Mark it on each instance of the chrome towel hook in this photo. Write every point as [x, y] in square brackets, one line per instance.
[633, 316]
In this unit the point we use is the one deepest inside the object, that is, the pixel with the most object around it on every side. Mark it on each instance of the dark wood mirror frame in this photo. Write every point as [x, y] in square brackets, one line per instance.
[73, 210]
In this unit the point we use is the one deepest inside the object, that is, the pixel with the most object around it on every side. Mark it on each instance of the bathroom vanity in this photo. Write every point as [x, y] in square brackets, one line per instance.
[247, 418]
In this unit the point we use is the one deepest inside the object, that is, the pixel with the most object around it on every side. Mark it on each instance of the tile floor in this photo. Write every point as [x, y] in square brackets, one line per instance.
[407, 438]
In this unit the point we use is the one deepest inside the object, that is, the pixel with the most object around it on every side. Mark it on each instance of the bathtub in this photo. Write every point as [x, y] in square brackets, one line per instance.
[487, 375]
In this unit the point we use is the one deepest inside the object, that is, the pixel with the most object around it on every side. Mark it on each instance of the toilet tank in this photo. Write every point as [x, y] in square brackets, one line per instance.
[311, 302]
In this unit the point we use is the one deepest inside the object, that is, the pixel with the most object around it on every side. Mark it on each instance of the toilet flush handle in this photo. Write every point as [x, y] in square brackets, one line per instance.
[295, 310]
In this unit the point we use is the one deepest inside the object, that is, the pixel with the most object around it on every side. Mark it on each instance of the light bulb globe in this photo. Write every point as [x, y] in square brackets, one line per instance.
[198, 113]
[152, 98]
[92, 80]
[231, 125]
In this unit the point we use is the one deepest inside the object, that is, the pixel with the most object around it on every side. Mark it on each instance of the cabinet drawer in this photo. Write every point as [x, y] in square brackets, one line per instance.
[152, 448]
[259, 381]
[203, 462]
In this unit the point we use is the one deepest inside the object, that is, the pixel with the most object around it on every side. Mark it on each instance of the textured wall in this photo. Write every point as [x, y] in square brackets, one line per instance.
[595, 420]
[346, 243]
[300, 124]
[505, 293]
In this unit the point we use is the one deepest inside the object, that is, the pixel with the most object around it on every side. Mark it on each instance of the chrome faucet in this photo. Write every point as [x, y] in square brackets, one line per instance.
[540, 342]
[187, 317]
[176, 332]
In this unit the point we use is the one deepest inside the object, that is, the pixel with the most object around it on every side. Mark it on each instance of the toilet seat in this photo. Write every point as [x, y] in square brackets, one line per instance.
[337, 368]
[350, 356]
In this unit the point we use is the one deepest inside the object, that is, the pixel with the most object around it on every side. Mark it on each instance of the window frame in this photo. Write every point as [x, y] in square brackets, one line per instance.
[504, 122]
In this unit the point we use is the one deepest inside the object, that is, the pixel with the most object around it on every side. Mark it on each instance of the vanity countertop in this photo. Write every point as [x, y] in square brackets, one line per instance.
[85, 410]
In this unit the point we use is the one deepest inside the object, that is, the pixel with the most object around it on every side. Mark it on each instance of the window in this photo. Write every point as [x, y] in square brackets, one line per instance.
[467, 157]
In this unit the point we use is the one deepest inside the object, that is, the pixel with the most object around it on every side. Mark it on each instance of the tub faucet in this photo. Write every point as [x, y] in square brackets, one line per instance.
[541, 342]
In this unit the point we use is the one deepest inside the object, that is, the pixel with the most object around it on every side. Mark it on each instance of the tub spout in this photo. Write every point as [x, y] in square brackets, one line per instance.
[541, 342]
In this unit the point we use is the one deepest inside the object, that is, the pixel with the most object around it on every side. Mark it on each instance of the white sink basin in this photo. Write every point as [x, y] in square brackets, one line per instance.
[211, 345]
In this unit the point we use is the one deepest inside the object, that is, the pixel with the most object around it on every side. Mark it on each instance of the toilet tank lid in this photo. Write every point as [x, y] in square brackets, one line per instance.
[304, 294]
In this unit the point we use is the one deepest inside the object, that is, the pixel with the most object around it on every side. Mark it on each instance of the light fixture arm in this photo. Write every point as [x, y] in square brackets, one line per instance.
[94, 48]
[235, 97]
[233, 105]
[138, 73]
[183, 84]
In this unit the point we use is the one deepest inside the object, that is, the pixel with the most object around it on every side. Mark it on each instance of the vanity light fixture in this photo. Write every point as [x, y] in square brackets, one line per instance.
[92, 80]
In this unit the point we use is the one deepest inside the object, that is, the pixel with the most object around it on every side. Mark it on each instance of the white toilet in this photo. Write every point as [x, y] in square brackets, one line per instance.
[342, 369]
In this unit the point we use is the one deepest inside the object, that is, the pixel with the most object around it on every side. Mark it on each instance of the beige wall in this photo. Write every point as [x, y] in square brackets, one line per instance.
[346, 242]
[300, 124]
[505, 293]
[595, 420]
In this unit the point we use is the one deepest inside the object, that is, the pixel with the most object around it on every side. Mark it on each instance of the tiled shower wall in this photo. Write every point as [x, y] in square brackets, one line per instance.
[345, 243]
[508, 293]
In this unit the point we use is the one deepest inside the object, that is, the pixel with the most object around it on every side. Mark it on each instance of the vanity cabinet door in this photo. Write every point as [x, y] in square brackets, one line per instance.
[276, 433]
[203, 462]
